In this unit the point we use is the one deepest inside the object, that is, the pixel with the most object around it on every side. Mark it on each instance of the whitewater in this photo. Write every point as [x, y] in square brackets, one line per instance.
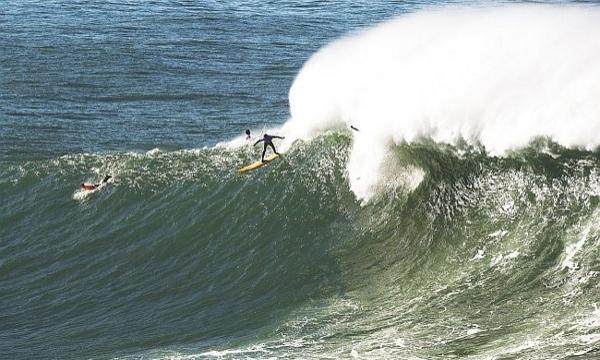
[461, 220]
[494, 77]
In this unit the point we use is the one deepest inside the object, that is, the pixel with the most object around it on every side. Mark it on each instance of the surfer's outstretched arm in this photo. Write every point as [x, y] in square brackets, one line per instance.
[258, 141]
[279, 137]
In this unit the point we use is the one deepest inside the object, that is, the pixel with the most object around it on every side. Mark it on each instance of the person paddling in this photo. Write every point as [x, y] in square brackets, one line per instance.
[90, 187]
[268, 140]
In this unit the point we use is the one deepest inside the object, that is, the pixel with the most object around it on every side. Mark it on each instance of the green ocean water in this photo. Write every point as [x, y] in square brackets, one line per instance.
[487, 257]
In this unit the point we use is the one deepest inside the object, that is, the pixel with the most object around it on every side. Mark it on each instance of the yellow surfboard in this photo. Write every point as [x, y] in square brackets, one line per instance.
[258, 164]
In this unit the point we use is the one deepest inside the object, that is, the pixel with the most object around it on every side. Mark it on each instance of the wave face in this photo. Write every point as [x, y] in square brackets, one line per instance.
[498, 77]
[181, 257]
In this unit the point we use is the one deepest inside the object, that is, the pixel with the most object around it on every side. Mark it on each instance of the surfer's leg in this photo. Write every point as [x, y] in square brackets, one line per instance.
[273, 147]
[263, 154]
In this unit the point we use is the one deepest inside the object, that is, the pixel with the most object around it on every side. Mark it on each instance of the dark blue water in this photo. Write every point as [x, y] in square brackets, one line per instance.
[85, 76]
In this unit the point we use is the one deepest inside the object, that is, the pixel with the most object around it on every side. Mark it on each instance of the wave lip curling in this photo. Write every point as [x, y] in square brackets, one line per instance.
[496, 77]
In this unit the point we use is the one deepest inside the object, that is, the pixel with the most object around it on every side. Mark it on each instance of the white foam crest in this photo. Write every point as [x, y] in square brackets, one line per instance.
[497, 76]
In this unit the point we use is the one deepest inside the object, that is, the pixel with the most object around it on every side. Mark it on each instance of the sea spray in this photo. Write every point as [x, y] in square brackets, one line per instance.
[496, 77]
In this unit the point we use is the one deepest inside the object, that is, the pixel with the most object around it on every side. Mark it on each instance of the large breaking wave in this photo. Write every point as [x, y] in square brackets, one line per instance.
[497, 77]
[485, 256]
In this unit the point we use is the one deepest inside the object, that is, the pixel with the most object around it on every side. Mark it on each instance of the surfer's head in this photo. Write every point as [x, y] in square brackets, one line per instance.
[82, 186]
[247, 131]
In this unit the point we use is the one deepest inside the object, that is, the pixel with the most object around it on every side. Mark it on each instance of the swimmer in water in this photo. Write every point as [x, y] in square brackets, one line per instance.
[90, 187]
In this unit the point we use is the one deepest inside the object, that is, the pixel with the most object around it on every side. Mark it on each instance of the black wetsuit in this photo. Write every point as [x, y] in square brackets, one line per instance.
[268, 139]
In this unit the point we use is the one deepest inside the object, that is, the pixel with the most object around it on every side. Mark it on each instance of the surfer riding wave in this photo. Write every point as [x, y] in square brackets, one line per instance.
[268, 140]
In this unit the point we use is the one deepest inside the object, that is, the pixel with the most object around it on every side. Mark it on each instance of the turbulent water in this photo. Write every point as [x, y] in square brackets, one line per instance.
[461, 220]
